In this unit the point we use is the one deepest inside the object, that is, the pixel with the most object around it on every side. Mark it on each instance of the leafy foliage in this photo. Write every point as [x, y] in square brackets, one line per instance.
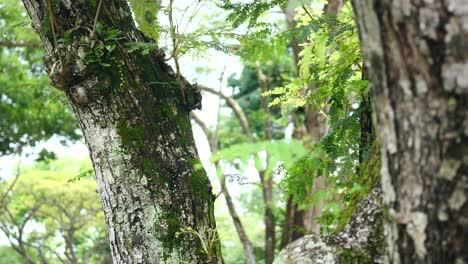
[143, 47]
[182, 38]
[248, 12]
[8, 255]
[54, 212]
[329, 78]
[331, 81]
[247, 92]
[146, 17]
[283, 153]
[30, 109]
[100, 48]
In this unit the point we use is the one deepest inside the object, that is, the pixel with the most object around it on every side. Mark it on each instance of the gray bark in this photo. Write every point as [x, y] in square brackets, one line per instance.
[417, 59]
[135, 119]
[359, 242]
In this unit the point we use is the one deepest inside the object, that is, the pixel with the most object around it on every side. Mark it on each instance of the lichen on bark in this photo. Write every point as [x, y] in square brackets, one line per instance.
[361, 240]
[417, 66]
[137, 128]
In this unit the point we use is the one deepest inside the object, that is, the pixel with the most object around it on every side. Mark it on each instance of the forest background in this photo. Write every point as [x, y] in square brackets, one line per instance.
[285, 132]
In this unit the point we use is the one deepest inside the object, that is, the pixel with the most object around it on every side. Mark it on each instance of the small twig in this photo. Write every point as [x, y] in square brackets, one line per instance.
[52, 24]
[216, 132]
[52, 27]
[173, 33]
[12, 185]
[23, 44]
[360, 67]
[307, 12]
[96, 18]
[219, 194]
[197, 8]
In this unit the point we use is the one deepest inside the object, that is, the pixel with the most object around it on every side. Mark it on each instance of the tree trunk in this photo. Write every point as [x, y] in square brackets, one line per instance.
[267, 190]
[135, 120]
[213, 143]
[417, 58]
[266, 179]
[360, 241]
[293, 226]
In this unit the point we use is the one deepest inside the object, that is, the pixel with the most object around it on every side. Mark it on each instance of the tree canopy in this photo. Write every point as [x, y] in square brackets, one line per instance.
[302, 139]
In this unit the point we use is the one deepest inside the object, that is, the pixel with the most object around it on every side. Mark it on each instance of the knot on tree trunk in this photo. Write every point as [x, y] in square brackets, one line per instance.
[194, 97]
[360, 241]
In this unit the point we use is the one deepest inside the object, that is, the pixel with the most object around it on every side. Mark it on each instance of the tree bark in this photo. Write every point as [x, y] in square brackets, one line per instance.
[269, 217]
[359, 242]
[417, 58]
[135, 120]
[293, 226]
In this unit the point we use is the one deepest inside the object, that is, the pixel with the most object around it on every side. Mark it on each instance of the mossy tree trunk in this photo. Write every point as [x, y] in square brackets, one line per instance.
[360, 241]
[417, 59]
[134, 114]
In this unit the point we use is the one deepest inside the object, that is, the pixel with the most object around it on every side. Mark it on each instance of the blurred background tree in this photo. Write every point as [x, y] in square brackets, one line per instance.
[47, 219]
[31, 110]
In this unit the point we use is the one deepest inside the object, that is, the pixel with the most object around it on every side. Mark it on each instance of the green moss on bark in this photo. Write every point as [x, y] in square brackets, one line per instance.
[353, 256]
[130, 135]
[369, 177]
[199, 183]
[91, 3]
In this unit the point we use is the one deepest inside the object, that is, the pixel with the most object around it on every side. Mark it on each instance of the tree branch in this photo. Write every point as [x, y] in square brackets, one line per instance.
[246, 243]
[206, 131]
[96, 18]
[362, 235]
[12, 185]
[234, 105]
[11, 44]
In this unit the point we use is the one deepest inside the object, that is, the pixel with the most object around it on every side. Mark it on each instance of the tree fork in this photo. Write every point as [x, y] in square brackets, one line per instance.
[137, 128]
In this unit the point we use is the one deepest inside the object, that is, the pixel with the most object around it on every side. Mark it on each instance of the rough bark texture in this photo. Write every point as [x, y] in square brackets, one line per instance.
[417, 56]
[361, 240]
[135, 120]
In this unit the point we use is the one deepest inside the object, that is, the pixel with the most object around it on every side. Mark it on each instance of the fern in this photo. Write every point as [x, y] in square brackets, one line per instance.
[143, 47]
[331, 81]
[248, 12]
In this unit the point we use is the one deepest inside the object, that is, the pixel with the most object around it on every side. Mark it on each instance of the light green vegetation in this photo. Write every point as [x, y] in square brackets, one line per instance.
[54, 213]
[30, 109]
[328, 78]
